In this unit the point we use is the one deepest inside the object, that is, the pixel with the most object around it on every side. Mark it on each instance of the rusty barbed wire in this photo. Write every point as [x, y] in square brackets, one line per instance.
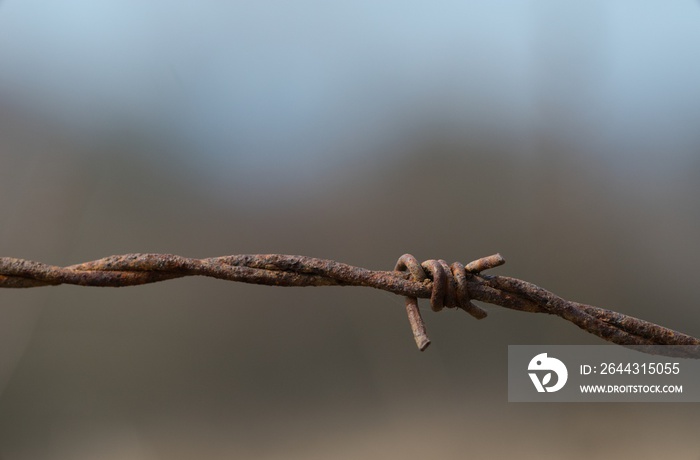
[450, 286]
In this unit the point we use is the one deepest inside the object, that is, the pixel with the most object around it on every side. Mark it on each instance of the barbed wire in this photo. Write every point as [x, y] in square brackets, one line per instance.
[451, 286]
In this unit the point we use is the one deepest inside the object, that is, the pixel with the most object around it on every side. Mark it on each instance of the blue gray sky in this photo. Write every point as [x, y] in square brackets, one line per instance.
[260, 85]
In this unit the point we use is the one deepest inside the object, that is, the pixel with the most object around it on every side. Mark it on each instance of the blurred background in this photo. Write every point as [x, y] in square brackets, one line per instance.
[564, 135]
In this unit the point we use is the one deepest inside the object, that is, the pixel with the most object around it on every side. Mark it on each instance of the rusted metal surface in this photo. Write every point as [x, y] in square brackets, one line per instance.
[451, 286]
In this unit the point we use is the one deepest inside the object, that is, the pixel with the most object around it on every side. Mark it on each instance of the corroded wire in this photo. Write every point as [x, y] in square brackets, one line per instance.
[451, 286]
[449, 289]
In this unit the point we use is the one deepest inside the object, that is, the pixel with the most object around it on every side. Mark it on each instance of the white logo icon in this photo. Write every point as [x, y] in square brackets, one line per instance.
[542, 363]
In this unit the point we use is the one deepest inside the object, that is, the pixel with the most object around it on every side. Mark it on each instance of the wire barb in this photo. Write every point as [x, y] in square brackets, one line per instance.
[451, 286]
[449, 289]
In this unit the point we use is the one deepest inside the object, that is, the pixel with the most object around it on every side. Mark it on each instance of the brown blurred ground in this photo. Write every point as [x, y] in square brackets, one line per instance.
[199, 368]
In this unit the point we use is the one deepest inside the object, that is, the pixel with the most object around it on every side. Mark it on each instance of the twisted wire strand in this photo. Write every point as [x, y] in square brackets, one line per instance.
[451, 286]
